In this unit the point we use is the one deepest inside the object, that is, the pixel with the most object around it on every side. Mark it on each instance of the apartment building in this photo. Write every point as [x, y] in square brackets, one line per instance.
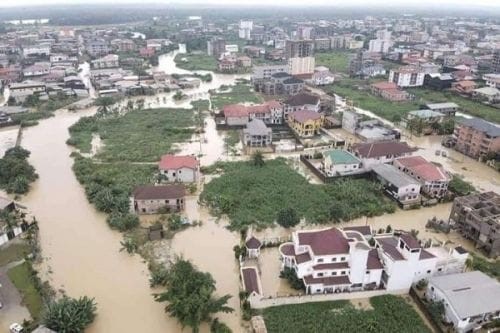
[477, 217]
[476, 137]
[300, 57]
[407, 76]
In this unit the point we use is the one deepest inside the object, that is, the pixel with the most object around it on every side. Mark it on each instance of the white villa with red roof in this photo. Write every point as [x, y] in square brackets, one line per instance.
[334, 260]
[381, 152]
[183, 169]
[270, 112]
[434, 179]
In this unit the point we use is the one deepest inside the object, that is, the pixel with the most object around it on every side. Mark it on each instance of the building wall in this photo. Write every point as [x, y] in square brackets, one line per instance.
[301, 65]
[153, 206]
[183, 175]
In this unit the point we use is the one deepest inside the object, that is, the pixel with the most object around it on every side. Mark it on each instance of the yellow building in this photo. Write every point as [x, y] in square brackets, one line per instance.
[305, 123]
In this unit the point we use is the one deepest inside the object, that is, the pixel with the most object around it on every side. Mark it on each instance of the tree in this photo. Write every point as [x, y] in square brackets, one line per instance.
[288, 217]
[258, 159]
[129, 245]
[294, 281]
[122, 222]
[69, 315]
[190, 296]
[103, 106]
[388, 229]
[219, 327]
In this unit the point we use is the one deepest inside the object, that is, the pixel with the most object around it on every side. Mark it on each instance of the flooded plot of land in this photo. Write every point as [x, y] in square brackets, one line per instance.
[8, 136]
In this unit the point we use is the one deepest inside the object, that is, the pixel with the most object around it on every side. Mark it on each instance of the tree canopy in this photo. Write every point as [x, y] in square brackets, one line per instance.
[16, 173]
[189, 295]
[69, 315]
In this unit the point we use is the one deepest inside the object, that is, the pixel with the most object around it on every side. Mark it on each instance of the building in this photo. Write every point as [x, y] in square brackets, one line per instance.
[184, 169]
[489, 94]
[322, 76]
[270, 112]
[245, 29]
[253, 246]
[476, 137]
[300, 57]
[407, 76]
[265, 72]
[305, 123]
[42, 49]
[37, 69]
[333, 260]
[464, 87]
[257, 134]
[251, 281]
[492, 80]
[280, 83]
[389, 91]
[216, 47]
[97, 47]
[423, 121]
[448, 109]
[381, 152]
[379, 45]
[19, 91]
[108, 61]
[433, 179]
[495, 62]
[470, 299]
[301, 101]
[371, 130]
[398, 185]
[477, 217]
[322, 44]
[157, 199]
[338, 162]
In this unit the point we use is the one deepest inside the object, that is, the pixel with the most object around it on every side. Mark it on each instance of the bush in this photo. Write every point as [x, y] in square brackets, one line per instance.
[70, 315]
[122, 222]
[218, 327]
[288, 218]
[16, 173]
[294, 281]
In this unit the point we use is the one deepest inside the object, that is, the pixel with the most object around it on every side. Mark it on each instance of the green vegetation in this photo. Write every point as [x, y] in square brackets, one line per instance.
[137, 136]
[231, 140]
[436, 310]
[336, 61]
[108, 186]
[122, 221]
[189, 295]
[23, 279]
[390, 314]
[287, 217]
[16, 174]
[13, 252]
[239, 93]
[195, 62]
[460, 187]
[217, 327]
[69, 315]
[251, 194]
[31, 118]
[291, 276]
[492, 268]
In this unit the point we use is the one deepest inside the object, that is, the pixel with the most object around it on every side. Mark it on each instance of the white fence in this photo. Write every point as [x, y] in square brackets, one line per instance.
[258, 302]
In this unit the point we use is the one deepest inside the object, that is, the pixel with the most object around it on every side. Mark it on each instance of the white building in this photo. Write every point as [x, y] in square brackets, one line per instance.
[322, 76]
[407, 77]
[41, 49]
[397, 184]
[334, 260]
[492, 80]
[245, 29]
[265, 72]
[470, 299]
[182, 169]
[109, 61]
[338, 162]
[232, 48]
[379, 45]
[381, 152]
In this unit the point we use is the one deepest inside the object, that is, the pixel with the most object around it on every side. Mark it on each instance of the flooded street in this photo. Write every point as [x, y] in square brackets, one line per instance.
[8, 136]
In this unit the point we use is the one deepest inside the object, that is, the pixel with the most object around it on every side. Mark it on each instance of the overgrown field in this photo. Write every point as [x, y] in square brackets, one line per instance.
[21, 277]
[336, 61]
[195, 62]
[250, 194]
[390, 314]
[137, 136]
[239, 93]
[16, 174]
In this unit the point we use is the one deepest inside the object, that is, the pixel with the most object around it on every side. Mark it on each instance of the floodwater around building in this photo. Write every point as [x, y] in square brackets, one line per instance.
[8, 136]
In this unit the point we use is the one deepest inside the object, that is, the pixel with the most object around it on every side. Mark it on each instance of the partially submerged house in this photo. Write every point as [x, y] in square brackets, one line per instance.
[340, 162]
[257, 134]
[176, 168]
[151, 199]
[398, 185]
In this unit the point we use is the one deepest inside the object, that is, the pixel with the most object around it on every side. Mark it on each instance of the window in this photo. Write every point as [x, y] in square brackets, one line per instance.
[342, 259]
[320, 274]
[334, 273]
[334, 259]
[429, 271]
[342, 273]
[320, 260]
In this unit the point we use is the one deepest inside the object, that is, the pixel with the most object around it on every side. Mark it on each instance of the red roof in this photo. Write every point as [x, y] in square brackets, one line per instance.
[385, 85]
[373, 261]
[327, 281]
[333, 265]
[325, 242]
[238, 110]
[253, 243]
[422, 168]
[250, 280]
[287, 249]
[305, 115]
[411, 241]
[235, 110]
[425, 255]
[173, 162]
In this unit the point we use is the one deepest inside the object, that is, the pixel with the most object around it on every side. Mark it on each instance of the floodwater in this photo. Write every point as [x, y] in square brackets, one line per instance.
[8, 136]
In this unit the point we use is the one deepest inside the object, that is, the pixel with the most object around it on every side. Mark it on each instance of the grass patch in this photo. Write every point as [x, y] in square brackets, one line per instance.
[460, 187]
[336, 61]
[492, 268]
[108, 186]
[195, 61]
[390, 314]
[13, 252]
[250, 194]
[239, 93]
[137, 136]
[21, 278]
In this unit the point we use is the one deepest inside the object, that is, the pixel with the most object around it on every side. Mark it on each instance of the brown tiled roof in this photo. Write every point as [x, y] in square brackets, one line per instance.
[235, 110]
[389, 246]
[365, 230]
[384, 85]
[150, 192]
[250, 280]
[382, 148]
[325, 242]
[424, 169]
[288, 249]
[305, 115]
[333, 265]
[373, 261]
[304, 257]
[327, 281]
[425, 255]
[410, 241]
[253, 243]
[301, 99]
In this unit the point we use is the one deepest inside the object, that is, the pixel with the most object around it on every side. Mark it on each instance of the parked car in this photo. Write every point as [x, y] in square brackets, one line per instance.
[16, 328]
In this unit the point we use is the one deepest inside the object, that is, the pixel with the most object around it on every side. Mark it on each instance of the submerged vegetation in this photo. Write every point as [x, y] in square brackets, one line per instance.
[254, 194]
[16, 174]
[239, 93]
[390, 314]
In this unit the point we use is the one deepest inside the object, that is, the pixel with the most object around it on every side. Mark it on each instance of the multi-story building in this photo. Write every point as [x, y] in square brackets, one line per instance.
[40, 49]
[97, 47]
[108, 61]
[184, 169]
[245, 29]
[305, 123]
[280, 83]
[257, 134]
[265, 72]
[270, 112]
[407, 76]
[379, 45]
[339, 162]
[477, 217]
[381, 152]
[300, 57]
[322, 44]
[495, 62]
[157, 199]
[492, 80]
[476, 137]
[433, 179]
[301, 101]
[398, 185]
[334, 260]
[216, 47]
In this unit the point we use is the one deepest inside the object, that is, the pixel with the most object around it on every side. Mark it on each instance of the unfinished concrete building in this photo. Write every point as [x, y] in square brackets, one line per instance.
[477, 217]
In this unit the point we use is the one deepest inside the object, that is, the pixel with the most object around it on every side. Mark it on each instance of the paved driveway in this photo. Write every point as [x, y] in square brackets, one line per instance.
[12, 310]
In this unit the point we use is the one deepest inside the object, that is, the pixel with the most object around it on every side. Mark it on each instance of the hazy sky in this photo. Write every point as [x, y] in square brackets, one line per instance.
[371, 3]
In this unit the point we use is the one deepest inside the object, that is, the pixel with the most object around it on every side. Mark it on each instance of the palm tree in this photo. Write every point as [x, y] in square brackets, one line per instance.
[258, 159]
[103, 105]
